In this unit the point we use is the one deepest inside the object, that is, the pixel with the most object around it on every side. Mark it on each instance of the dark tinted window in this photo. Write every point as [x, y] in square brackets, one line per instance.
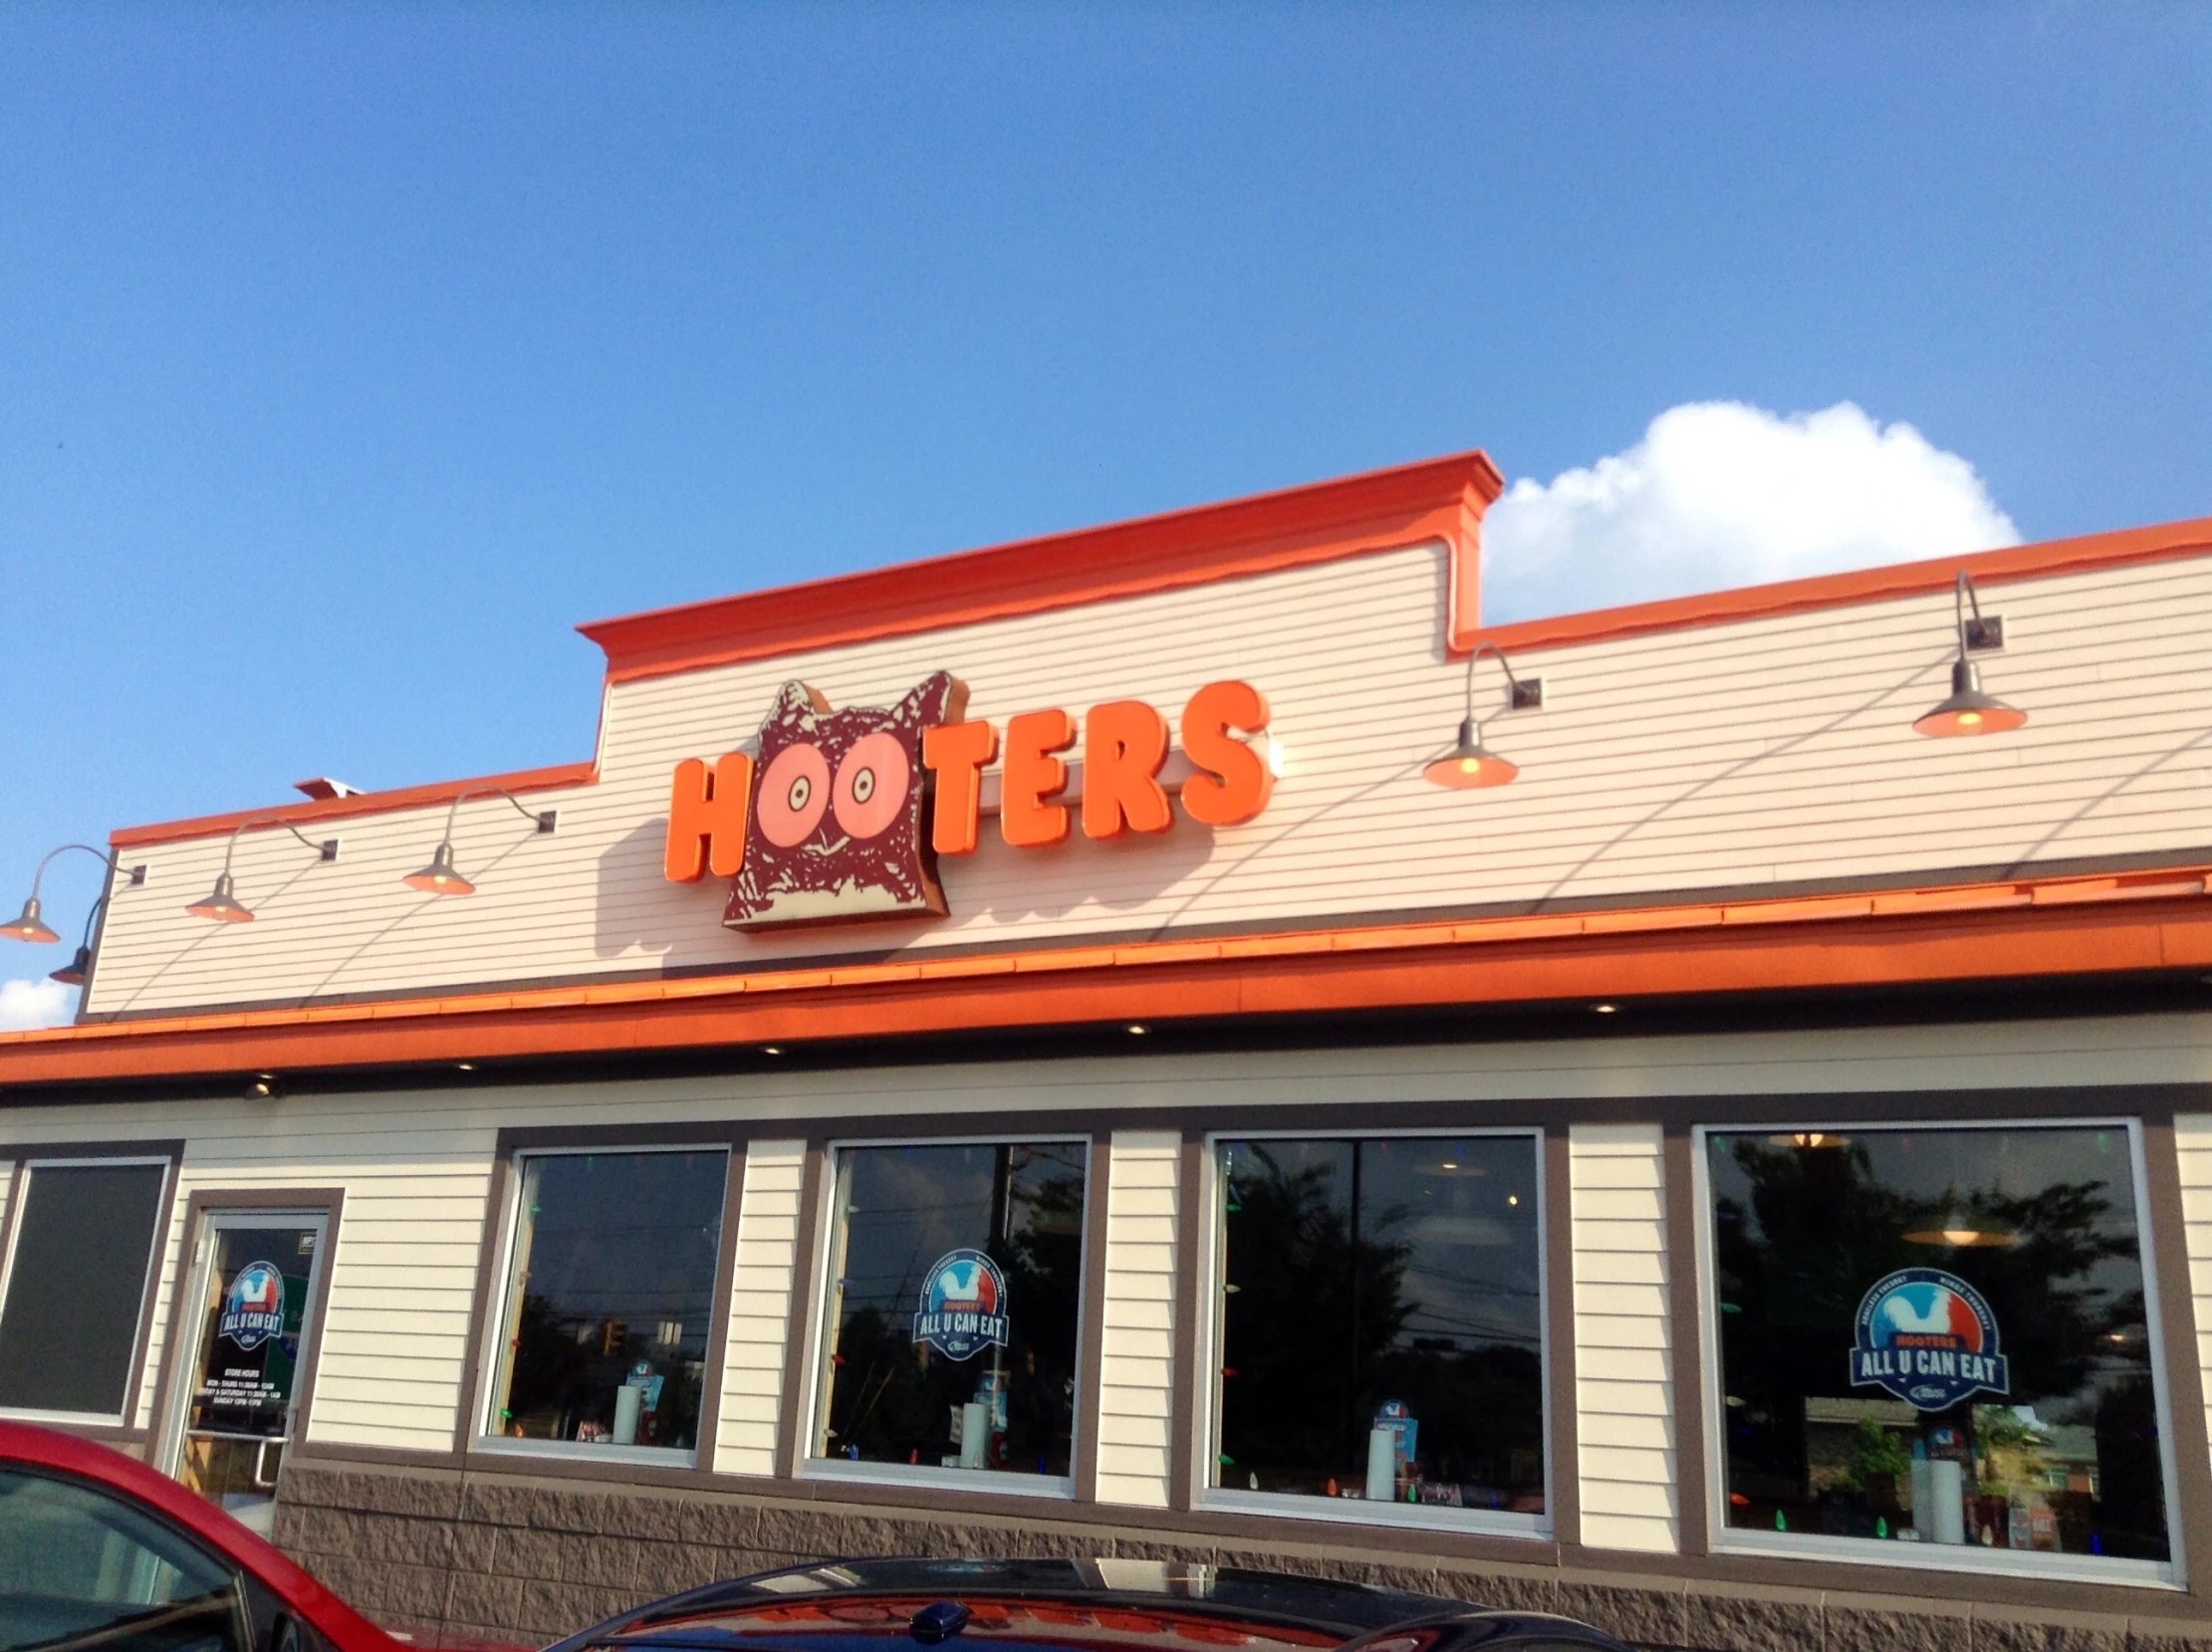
[1381, 1321]
[77, 1284]
[612, 1289]
[953, 1308]
[1937, 1336]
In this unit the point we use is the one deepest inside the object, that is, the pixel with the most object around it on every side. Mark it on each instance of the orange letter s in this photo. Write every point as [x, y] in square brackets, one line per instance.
[1233, 782]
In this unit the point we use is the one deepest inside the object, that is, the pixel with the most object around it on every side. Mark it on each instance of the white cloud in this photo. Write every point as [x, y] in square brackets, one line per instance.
[34, 1004]
[1720, 494]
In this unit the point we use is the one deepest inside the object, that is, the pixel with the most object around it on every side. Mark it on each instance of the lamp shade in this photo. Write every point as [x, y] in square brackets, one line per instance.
[1969, 710]
[29, 927]
[1470, 764]
[439, 877]
[221, 906]
[73, 973]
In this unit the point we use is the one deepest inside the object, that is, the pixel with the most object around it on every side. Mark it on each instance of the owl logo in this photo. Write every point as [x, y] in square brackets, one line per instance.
[253, 1306]
[837, 828]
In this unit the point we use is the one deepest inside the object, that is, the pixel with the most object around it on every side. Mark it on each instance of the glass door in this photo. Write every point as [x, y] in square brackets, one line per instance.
[253, 1290]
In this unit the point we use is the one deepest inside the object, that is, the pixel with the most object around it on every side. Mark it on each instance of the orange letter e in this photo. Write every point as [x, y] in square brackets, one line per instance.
[1030, 775]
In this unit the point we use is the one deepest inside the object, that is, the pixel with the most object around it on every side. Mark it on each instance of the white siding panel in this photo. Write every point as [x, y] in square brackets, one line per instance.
[1734, 757]
[404, 1155]
[1624, 1382]
[2192, 1138]
[766, 1274]
[1138, 1366]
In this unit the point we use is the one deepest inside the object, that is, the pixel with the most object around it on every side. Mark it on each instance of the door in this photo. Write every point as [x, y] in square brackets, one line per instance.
[253, 1289]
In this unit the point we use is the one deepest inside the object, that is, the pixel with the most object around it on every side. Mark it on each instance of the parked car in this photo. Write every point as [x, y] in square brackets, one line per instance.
[99, 1553]
[1103, 1605]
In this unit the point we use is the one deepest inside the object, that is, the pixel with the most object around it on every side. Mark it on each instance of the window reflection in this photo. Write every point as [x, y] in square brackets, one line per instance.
[1937, 1336]
[956, 1284]
[611, 1292]
[1381, 1321]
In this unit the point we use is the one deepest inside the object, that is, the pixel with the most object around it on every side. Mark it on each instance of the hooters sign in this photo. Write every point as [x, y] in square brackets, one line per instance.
[843, 813]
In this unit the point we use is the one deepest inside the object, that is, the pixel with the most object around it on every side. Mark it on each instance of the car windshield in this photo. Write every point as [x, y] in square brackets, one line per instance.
[1018, 1604]
[77, 1562]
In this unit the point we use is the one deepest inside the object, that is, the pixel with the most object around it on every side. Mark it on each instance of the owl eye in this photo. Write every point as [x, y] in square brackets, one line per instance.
[872, 782]
[793, 793]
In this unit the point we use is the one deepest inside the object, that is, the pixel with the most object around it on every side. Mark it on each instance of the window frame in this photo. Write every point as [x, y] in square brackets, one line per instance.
[815, 1398]
[2170, 1573]
[492, 1352]
[1207, 1395]
[61, 1156]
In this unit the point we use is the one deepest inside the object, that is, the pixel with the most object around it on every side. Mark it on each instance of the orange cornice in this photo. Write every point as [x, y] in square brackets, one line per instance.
[1980, 931]
[1437, 499]
[1827, 591]
[360, 803]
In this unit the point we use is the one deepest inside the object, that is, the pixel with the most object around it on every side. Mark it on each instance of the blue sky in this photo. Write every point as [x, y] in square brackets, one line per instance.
[350, 356]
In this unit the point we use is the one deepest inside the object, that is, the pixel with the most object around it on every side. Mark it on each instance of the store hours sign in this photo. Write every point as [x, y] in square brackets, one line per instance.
[1927, 1337]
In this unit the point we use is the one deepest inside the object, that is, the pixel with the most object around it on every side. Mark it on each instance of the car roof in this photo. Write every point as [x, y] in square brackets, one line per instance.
[1263, 1598]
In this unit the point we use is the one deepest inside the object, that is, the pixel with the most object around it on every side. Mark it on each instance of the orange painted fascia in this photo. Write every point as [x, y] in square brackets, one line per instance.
[2159, 542]
[1265, 533]
[2011, 930]
[360, 803]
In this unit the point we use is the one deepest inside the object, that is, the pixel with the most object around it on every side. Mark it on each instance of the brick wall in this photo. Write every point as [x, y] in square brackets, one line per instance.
[507, 1558]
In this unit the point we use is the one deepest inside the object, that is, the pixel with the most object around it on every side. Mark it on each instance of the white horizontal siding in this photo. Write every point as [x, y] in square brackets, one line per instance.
[1623, 1384]
[762, 1282]
[2193, 1135]
[396, 1336]
[1739, 756]
[1136, 1373]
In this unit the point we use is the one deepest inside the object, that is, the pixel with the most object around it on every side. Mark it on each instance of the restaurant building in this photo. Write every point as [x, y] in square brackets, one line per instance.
[1178, 1041]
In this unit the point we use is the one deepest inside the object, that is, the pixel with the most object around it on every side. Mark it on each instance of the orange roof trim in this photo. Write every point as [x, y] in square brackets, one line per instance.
[356, 803]
[1827, 591]
[1381, 510]
[1985, 931]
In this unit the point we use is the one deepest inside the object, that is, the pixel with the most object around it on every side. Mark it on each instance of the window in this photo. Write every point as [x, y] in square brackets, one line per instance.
[1938, 1337]
[955, 1282]
[609, 1294]
[77, 1284]
[1380, 1327]
[80, 1566]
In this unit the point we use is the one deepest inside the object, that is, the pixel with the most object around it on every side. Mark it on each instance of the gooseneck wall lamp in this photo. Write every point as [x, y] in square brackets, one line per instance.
[442, 876]
[30, 925]
[1969, 710]
[1470, 764]
[223, 905]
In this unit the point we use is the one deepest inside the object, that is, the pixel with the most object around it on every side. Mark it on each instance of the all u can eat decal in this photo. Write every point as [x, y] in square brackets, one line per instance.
[963, 1304]
[1929, 1338]
[253, 1306]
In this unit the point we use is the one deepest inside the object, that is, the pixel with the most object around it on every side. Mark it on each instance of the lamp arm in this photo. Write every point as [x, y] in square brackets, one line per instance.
[512, 802]
[1497, 653]
[231, 847]
[1962, 594]
[107, 860]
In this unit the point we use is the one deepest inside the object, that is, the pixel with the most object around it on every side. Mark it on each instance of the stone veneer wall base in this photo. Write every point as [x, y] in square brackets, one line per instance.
[504, 1557]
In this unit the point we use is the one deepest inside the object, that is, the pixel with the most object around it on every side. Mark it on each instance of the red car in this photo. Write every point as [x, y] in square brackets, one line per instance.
[98, 1553]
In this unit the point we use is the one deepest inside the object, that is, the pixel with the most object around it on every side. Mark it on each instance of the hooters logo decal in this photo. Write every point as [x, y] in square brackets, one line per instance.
[842, 814]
